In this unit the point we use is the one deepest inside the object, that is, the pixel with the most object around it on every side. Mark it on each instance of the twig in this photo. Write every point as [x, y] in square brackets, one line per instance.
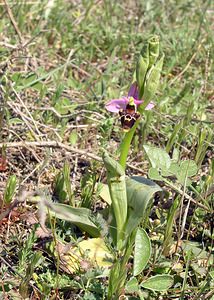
[184, 219]
[31, 173]
[80, 126]
[52, 109]
[50, 144]
[71, 53]
[177, 189]
[209, 295]
[6, 45]
[24, 118]
[27, 110]
[10, 14]
[6, 213]
[54, 144]
[27, 120]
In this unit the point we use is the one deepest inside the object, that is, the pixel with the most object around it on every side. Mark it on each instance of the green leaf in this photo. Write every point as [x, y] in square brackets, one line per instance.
[93, 250]
[114, 169]
[142, 251]
[67, 181]
[169, 225]
[16, 76]
[73, 138]
[42, 77]
[10, 189]
[142, 67]
[158, 157]
[104, 193]
[59, 191]
[165, 172]
[154, 174]
[158, 283]
[15, 121]
[35, 260]
[81, 217]
[211, 273]
[183, 180]
[152, 80]
[139, 193]
[175, 155]
[187, 169]
[132, 285]
[117, 279]
[174, 135]
[63, 106]
[174, 168]
[117, 188]
[163, 267]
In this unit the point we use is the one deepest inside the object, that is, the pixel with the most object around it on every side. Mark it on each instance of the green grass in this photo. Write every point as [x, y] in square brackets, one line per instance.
[56, 76]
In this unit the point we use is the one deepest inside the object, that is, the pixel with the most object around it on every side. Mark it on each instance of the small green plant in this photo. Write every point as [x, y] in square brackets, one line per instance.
[62, 185]
[88, 184]
[10, 189]
[128, 198]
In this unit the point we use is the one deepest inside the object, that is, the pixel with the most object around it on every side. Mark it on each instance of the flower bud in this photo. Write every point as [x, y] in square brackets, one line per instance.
[152, 80]
[142, 67]
[10, 189]
[153, 42]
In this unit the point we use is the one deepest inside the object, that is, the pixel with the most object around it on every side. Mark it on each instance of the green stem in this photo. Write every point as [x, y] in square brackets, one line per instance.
[125, 145]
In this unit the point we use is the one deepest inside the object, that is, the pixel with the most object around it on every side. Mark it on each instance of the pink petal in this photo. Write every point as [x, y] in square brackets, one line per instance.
[116, 104]
[150, 106]
[138, 102]
[133, 91]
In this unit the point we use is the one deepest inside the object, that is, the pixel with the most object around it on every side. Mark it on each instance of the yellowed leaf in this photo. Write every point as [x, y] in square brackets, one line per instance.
[87, 254]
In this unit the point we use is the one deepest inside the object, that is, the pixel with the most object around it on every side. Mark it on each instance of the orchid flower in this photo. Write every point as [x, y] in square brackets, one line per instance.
[116, 105]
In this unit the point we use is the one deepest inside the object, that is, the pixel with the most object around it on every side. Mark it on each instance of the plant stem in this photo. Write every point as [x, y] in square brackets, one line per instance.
[125, 145]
